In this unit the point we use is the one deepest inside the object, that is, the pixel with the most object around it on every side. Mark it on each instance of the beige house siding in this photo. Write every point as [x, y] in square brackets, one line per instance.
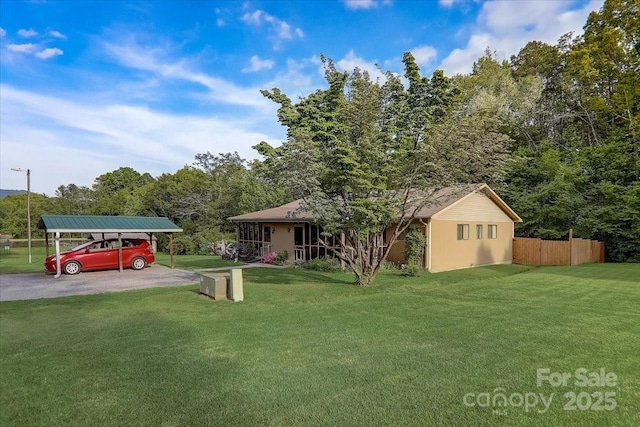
[474, 207]
[449, 253]
[396, 254]
[281, 239]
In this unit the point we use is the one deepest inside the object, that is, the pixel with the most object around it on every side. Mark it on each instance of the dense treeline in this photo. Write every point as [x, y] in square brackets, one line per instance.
[198, 197]
[569, 114]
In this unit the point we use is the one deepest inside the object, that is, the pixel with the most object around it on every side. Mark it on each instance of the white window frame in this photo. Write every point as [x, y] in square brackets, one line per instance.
[462, 231]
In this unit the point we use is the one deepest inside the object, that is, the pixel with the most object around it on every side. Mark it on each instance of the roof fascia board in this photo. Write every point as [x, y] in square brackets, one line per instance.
[111, 230]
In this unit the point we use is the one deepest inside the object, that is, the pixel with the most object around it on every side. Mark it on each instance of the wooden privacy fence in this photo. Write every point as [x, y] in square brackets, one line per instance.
[556, 252]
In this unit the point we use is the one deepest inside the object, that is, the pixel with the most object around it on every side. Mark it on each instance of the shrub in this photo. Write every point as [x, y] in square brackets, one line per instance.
[282, 258]
[246, 251]
[270, 258]
[322, 264]
[183, 245]
[414, 247]
[390, 265]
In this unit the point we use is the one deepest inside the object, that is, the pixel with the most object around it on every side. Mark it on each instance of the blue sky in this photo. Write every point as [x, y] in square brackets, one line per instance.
[89, 86]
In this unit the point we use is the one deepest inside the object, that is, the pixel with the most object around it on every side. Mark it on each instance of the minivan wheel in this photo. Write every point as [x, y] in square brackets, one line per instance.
[72, 267]
[138, 263]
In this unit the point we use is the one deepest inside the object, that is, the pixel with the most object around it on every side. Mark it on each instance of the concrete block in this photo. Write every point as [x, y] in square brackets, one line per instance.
[236, 291]
[214, 285]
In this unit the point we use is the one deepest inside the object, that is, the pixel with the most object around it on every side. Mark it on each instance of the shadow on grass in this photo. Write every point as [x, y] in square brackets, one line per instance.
[294, 276]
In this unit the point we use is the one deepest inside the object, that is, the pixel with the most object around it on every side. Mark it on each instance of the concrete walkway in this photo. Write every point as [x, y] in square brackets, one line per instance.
[243, 266]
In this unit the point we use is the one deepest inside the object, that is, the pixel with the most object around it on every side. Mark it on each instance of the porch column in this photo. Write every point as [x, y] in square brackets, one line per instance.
[120, 252]
[57, 239]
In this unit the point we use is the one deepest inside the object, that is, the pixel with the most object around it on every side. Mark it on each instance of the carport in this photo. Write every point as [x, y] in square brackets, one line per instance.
[57, 224]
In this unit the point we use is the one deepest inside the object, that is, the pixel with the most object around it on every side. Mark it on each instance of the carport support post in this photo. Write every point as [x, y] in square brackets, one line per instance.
[120, 251]
[171, 248]
[57, 239]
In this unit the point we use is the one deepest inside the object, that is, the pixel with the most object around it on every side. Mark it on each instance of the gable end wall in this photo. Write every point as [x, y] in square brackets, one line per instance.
[449, 253]
[476, 207]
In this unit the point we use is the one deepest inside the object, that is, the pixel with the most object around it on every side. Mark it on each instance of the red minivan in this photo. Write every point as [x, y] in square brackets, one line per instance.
[103, 255]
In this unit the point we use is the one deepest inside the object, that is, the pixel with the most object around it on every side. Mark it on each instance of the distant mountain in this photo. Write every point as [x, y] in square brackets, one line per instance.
[10, 192]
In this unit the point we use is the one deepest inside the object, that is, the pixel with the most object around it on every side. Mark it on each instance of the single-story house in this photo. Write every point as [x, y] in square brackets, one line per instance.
[464, 227]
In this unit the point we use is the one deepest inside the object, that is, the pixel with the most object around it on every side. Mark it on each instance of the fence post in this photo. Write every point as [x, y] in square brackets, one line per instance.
[570, 246]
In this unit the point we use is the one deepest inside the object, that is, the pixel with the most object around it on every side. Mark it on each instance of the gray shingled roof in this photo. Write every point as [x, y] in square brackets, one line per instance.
[441, 199]
[106, 224]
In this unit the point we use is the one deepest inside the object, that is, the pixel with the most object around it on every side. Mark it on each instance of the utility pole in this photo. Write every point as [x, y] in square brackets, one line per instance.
[28, 171]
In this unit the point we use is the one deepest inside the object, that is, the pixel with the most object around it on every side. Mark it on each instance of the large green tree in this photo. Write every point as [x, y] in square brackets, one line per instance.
[13, 213]
[113, 191]
[364, 154]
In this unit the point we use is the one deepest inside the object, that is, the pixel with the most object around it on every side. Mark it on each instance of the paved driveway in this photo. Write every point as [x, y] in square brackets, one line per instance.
[41, 285]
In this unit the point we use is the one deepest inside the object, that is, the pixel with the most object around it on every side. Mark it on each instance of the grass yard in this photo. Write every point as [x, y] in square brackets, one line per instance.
[307, 348]
[194, 262]
[17, 261]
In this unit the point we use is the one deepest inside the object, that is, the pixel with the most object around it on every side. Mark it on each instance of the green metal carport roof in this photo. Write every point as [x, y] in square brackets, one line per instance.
[106, 224]
[56, 224]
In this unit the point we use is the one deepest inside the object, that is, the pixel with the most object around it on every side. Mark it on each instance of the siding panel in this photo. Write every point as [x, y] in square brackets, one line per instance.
[475, 207]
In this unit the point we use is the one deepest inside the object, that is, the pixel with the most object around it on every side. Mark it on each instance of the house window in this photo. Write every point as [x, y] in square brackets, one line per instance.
[492, 231]
[463, 231]
[479, 231]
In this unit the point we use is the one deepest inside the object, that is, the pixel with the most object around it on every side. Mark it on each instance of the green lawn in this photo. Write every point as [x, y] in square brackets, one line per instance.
[194, 262]
[17, 260]
[308, 348]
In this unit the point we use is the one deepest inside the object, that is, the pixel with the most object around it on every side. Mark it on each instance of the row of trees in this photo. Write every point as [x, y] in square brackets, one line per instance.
[198, 197]
[555, 131]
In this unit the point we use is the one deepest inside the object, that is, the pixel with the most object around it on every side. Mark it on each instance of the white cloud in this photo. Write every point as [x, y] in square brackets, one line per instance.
[257, 64]
[299, 77]
[23, 48]
[461, 60]
[57, 34]
[365, 4]
[2, 32]
[49, 53]
[351, 61]
[220, 22]
[448, 3]
[27, 33]
[506, 26]
[159, 61]
[360, 4]
[281, 30]
[70, 141]
[254, 18]
[424, 54]
[30, 48]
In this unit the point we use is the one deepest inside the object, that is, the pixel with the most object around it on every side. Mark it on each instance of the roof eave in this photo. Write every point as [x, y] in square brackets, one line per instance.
[111, 230]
